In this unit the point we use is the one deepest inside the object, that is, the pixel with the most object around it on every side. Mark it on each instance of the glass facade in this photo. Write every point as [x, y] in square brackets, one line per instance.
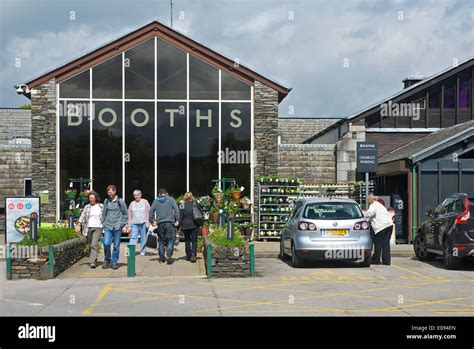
[159, 118]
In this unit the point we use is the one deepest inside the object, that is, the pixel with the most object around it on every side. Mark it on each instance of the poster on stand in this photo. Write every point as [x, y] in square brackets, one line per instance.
[18, 213]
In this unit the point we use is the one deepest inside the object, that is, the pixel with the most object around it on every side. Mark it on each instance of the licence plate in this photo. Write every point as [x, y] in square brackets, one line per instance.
[335, 232]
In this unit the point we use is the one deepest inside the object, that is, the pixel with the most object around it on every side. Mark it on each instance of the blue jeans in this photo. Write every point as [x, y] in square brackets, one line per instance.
[191, 238]
[109, 237]
[166, 235]
[139, 229]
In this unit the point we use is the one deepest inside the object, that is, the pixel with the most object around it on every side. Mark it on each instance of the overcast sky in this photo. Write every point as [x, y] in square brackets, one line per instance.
[338, 56]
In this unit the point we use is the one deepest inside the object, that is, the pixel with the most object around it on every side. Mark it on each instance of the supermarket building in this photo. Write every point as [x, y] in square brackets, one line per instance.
[150, 109]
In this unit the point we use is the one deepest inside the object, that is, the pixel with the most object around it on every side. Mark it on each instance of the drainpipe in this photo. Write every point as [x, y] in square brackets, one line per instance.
[414, 203]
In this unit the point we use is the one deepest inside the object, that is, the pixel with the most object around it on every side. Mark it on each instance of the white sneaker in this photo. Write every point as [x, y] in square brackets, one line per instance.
[142, 253]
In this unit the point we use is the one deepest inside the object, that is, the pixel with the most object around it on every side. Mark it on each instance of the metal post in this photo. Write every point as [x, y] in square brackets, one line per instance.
[367, 190]
[131, 261]
[71, 221]
[9, 263]
[51, 261]
[252, 260]
[34, 228]
[230, 228]
[221, 220]
[209, 260]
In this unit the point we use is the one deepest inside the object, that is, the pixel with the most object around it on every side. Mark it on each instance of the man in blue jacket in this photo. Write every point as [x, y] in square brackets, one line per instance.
[167, 216]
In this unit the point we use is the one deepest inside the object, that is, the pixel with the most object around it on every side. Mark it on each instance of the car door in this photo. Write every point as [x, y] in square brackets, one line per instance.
[442, 221]
[432, 225]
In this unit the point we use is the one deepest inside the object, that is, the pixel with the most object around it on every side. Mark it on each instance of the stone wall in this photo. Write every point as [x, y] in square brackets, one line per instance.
[265, 131]
[63, 256]
[15, 154]
[308, 162]
[228, 261]
[43, 123]
[297, 130]
[346, 149]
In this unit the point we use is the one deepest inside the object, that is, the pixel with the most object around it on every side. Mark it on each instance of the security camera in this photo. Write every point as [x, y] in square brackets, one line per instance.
[22, 89]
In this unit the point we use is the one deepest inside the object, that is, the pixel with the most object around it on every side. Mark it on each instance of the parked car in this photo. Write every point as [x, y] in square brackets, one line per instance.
[326, 229]
[448, 231]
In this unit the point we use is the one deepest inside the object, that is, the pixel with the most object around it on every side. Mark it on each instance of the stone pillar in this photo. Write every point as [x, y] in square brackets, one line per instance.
[43, 145]
[346, 149]
[265, 131]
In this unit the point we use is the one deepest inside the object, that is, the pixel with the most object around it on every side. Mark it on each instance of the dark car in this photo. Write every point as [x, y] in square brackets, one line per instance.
[448, 231]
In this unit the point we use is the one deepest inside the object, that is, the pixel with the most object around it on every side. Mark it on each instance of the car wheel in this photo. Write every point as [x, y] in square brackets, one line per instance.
[450, 262]
[282, 255]
[296, 261]
[420, 249]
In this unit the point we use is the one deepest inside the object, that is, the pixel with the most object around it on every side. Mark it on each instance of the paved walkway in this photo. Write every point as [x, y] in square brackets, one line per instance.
[144, 266]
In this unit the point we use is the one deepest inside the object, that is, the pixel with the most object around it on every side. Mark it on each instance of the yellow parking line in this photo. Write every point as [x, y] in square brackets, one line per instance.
[411, 272]
[99, 297]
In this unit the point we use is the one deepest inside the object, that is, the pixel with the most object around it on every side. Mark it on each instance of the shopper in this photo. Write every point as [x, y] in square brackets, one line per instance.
[382, 226]
[138, 214]
[167, 216]
[91, 221]
[114, 218]
[189, 226]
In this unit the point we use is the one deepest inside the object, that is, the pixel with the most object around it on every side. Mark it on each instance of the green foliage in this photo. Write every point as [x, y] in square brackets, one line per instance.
[218, 236]
[26, 106]
[50, 236]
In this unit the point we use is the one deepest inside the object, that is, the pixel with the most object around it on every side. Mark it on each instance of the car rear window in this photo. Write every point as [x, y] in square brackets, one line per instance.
[331, 210]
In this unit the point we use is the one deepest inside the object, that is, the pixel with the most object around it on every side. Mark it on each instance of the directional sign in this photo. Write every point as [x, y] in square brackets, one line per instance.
[367, 155]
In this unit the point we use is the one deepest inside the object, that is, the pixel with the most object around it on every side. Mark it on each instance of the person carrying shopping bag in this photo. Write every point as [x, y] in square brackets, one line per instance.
[91, 221]
[138, 214]
[190, 211]
[114, 219]
[167, 216]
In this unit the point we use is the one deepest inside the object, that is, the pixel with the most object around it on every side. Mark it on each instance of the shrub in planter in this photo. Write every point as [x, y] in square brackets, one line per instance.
[205, 228]
[214, 214]
[50, 236]
[235, 192]
[245, 201]
[217, 194]
[246, 229]
[232, 209]
[77, 213]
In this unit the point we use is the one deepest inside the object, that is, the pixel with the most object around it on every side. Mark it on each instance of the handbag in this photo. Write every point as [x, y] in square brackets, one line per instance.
[197, 215]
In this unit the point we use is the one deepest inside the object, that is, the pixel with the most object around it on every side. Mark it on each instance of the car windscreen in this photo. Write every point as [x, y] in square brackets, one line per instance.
[332, 210]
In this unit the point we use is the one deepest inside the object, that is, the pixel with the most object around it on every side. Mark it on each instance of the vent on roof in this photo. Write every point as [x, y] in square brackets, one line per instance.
[407, 82]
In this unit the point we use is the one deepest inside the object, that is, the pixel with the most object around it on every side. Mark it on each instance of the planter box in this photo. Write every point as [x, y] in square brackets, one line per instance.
[222, 261]
[48, 261]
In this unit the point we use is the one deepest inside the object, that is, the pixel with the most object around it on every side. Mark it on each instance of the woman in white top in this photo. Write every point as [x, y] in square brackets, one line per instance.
[382, 226]
[138, 221]
[90, 219]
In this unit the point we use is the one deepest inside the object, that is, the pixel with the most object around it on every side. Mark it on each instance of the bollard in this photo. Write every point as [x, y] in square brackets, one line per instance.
[131, 261]
[9, 264]
[209, 260]
[252, 259]
[51, 261]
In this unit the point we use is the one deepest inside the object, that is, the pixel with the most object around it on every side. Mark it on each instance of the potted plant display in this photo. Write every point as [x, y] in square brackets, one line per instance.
[77, 213]
[84, 196]
[68, 213]
[205, 202]
[246, 229]
[232, 209]
[217, 194]
[179, 200]
[235, 192]
[70, 193]
[205, 228]
[245, 201]
[214, 214]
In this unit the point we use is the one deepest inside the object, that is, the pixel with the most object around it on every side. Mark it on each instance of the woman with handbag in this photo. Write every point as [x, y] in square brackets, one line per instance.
[191, 219]
[90, 220]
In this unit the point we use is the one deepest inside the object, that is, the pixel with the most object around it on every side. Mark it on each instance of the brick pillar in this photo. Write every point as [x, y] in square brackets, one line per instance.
[43, 144]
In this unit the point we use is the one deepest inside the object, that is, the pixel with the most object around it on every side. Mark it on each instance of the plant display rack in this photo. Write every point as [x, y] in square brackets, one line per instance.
[275, 197]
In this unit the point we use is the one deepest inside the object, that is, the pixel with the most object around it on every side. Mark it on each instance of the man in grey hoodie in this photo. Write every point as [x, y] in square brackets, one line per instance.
[167, 216]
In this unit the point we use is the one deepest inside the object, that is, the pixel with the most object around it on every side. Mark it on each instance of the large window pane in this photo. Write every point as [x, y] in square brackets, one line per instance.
[76, 87]
[171, 147]
[107, 146]
[203, 146]
[449, 97]
[140, 149]
[107, 78]
[464, 92]
[74, 153]
[233, 88]
[235, 155]
[171, 71]
[140, 71]
[203, 80]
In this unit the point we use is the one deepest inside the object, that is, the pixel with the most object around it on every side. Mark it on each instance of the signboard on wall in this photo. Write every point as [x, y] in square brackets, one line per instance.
[18, 213]
[367, 156]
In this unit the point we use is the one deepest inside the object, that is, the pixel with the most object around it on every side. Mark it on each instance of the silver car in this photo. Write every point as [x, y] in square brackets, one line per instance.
[326, 229]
